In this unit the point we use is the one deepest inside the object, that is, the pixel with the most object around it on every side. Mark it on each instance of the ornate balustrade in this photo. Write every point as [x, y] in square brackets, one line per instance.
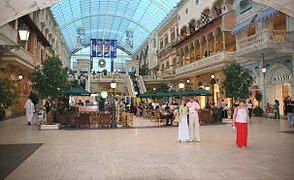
[209, 61]
[266, 38]
[10, 33]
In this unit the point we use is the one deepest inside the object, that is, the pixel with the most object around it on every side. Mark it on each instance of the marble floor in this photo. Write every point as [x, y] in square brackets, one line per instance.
[153, 153]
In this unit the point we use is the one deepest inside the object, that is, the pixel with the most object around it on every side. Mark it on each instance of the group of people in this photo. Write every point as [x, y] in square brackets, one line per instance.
[191, 132]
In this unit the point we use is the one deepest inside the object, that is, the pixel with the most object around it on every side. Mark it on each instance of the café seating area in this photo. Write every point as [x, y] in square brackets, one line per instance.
[89, 117]
[84, 119]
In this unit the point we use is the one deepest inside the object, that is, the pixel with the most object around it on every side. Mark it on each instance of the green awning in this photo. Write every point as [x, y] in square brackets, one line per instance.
[77, 91]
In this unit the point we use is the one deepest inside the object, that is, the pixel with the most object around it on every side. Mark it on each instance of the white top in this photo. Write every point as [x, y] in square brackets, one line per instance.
[249, 106]
[193, 106]
[242, 115]
[29, 106]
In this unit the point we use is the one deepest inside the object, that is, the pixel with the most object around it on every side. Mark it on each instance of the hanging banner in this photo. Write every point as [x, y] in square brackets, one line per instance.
[106, 48]
[93, 45]
[80, 37]
[113, 45]
[99, 48]
[129, 39]
[103, 48]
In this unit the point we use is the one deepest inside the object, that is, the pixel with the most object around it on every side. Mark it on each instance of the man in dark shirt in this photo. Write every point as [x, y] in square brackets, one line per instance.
[290, 113]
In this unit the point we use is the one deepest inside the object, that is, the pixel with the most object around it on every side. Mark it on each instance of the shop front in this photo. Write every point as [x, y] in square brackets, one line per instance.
[278, 84]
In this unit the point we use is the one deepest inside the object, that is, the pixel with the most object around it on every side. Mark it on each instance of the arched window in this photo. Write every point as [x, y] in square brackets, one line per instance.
[184, 32]
[192, 25]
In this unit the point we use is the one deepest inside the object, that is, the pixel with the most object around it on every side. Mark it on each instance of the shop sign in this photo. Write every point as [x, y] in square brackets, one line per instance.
[280, 75]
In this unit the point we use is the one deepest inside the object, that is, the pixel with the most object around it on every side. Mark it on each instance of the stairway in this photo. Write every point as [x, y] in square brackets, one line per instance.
[130, 86]
[141, 84]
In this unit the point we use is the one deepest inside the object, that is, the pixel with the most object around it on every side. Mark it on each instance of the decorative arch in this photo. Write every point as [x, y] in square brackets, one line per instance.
[184, 31]
[192, 25]
[273, 68]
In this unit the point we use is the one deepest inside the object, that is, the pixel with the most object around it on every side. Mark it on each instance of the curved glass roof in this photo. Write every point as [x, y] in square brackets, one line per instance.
[109, 19]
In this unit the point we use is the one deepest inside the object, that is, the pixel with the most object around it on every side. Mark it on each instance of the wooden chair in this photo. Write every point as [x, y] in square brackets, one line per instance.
[70, 118]
[130, 119]
[124, 119]
[157, 118]
[105, 119]
[61, 119]
[85, 119]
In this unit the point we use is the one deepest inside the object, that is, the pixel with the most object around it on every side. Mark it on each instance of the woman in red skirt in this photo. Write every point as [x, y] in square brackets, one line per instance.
[240, 121]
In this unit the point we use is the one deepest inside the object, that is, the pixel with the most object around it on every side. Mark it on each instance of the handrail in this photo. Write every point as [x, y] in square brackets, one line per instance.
[142, 84]
[272, 36]
[206, 62]
[130, 86]
[9, 32]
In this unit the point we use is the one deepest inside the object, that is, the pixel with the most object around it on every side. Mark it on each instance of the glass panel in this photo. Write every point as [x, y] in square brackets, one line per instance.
[110, 18]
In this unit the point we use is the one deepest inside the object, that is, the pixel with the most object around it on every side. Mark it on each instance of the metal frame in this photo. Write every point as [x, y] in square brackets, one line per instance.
[109, 19]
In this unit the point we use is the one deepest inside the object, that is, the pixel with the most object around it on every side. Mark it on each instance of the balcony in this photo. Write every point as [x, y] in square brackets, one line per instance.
[153, 63]
[101, 78]
[21, 57]
[272, 41]
[168, 45]
[169, 73]
[148, 79]
[208, 64]
[10, 34]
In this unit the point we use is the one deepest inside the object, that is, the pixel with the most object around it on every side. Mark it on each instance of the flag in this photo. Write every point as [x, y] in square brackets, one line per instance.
[93, 48]
[81, 37]
[113, 44]
[99, 48]
[106, 48]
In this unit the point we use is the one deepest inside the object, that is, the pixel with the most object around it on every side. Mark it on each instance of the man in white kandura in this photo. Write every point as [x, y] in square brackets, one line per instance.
[193, 107]
[30, 109]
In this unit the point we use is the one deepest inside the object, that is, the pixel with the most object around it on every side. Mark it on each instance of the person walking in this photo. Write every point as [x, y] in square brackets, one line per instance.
[193, 108]
[183, 133]
[290, 114]
[250, 107]
[240, 121]
[276, 109]
[223, 106]
[30, 109]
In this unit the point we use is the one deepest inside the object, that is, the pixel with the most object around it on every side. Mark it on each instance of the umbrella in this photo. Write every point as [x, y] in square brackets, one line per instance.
[146, 94]
[158, 94]
[202, 92]
[197, 92]
[77, 91]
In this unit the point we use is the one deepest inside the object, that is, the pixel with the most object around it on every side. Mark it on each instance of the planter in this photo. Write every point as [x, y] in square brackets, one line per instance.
[50, 126]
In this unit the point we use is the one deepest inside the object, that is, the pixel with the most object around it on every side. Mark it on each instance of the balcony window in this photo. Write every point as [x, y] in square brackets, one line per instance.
[279, 21]
[192, 25]
[165, 41]
[173, 35]
[161, 44]
[251, 30]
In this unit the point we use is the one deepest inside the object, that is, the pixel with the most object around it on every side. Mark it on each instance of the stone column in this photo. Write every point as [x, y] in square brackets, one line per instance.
[194, 51]
[224, 41]
[292, 81]
[207, 46]
[262, 85]
[200, 46]
[214, 39]
[189, 54]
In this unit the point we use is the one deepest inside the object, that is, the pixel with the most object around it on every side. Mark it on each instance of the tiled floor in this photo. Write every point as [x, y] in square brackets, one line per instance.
[153, 153]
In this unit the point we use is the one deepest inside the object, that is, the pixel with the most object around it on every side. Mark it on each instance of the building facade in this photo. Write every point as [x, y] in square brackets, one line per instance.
[18, 57]
[265, 45]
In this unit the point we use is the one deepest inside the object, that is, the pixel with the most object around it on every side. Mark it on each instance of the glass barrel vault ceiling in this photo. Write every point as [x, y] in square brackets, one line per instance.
[109, 19]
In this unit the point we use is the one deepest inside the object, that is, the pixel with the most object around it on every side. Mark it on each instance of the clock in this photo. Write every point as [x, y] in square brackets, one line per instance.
[104, 94]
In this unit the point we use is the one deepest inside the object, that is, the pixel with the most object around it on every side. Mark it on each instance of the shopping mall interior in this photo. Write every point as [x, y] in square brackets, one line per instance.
[124, 89]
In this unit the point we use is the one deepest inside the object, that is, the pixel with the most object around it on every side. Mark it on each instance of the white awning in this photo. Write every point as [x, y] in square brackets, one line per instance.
[13, 9]
[285, 6]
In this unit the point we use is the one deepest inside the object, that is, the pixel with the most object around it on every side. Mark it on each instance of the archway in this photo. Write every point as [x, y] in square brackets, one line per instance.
[278, 84]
